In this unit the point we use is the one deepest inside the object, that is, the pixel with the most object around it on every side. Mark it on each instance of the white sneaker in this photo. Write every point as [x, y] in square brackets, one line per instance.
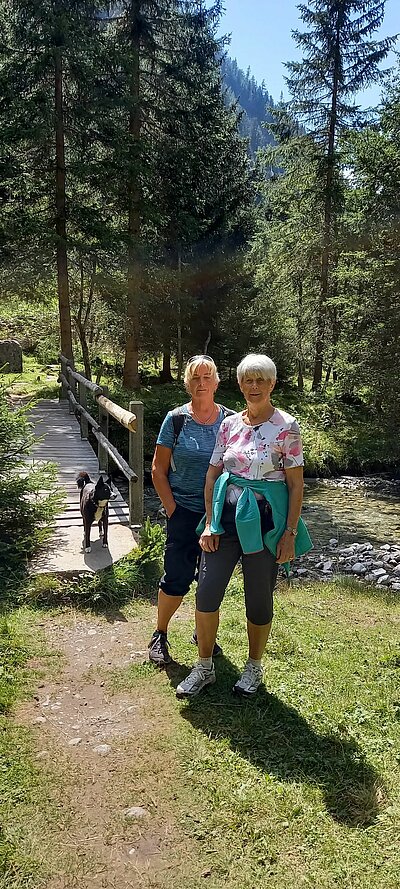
[198, 678]
[249, 681]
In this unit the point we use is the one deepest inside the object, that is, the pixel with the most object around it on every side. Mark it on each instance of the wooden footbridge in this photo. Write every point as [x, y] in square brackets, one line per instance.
[62, 432]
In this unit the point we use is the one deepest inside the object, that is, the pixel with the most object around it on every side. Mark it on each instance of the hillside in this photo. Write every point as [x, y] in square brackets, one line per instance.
[253, 100]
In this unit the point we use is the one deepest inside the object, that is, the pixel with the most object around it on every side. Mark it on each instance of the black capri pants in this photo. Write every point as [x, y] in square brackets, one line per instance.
[260, 571]
[182, 552]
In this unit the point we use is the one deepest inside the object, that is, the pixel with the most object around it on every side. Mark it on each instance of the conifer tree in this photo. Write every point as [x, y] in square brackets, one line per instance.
[340, 57]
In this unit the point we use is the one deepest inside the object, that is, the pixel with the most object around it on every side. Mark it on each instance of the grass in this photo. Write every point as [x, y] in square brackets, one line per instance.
[37, 380]
[25, 790]
[299, 786]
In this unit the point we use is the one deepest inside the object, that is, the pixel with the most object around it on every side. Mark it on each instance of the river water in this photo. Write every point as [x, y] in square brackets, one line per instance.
[349, 508]
[353, 510]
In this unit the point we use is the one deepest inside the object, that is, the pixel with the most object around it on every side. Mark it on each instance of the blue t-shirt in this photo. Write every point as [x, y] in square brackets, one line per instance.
[191, 455]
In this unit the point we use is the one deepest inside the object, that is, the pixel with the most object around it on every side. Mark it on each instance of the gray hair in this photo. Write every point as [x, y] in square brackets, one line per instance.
[259, 364]
[194, 364]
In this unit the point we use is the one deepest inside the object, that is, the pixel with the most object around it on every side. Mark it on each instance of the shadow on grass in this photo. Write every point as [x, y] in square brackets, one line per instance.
[276, 739]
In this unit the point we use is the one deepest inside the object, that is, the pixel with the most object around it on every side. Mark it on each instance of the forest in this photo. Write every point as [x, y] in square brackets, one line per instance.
[146, 216]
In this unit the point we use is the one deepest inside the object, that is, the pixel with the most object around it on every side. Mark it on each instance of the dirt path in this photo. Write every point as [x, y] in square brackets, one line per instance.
[110, 752]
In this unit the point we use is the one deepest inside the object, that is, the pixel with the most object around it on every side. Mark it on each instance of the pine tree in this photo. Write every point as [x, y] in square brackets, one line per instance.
[45, 44]
[339, 59]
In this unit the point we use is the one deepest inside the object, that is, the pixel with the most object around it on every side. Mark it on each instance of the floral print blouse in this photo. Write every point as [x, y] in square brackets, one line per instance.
[258, 452]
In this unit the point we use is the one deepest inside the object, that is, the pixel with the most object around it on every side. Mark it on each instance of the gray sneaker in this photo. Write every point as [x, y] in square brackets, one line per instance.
[198, 678]
[249, 681]
[158, 649]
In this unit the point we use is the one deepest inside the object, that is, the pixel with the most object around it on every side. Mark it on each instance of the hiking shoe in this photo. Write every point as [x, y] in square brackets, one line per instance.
[158, 649]
[249, 681]
[198, 678]
[216, 650]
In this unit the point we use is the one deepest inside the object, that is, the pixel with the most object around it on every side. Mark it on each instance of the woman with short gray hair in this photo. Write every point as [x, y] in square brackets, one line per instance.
[253, 498]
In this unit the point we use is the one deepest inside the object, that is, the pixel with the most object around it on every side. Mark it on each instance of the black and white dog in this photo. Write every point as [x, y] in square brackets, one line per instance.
[94, 500]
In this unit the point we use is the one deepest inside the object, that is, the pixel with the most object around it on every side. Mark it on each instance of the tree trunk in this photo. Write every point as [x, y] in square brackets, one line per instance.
[300, 320]
[131, 362]
[62, 262]
[328, 215]
[179, 324]
[85, 349]
[165, 373]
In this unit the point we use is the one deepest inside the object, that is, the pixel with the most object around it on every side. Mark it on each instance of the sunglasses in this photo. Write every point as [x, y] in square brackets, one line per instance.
[199, 357]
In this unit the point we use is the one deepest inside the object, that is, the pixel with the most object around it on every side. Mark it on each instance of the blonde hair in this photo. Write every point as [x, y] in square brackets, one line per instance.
[194, 364]
[259, 364]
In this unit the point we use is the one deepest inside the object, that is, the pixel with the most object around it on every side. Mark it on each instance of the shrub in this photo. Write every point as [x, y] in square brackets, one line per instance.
[27, 500]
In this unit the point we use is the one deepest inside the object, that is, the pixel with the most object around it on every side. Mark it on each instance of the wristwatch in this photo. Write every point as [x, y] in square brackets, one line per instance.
[292, 531]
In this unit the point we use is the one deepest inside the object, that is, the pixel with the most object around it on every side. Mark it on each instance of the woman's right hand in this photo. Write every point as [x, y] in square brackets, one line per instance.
[209, 542]
[170, 511]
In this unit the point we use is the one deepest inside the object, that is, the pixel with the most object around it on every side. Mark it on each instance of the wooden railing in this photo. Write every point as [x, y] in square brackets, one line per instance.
[75, 387]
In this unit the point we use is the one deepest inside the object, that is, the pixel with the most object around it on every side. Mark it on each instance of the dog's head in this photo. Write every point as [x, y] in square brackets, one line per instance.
[103, 491]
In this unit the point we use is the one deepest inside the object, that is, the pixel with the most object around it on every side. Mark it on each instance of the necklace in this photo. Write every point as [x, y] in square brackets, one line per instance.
[255, 421]
[203, 422]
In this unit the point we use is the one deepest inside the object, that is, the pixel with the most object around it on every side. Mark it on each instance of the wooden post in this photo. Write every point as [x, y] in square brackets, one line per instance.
[72, 384]
[136, 463]
[64, 370]
[102, 454]
[83, 401]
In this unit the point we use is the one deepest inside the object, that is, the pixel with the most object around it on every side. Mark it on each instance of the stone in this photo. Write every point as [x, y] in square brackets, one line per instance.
[358, 568]
[136, 812]
[102, 749]
[327, 566]
[333, 541]
[39, 720]
[302, 571]
[10, 357]
[383, 580]
[395, 586]
[74, 742]
[396, 570]
[378, 572]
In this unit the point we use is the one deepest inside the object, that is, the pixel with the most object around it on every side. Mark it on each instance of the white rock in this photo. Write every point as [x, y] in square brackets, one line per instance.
[396, 586]
[92, 632]
[379, 572]
[102, 749]
[136, 812]
[383, 579]
[327, 566]
[396, 570]
[358, 568]
[378, 563]
[39, 720]
[333, 541]
[385, 546]
[301, 571]
[74, 742]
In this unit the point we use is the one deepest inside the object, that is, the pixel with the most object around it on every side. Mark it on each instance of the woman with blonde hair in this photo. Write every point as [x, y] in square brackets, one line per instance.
[253, 497]
[184, 446]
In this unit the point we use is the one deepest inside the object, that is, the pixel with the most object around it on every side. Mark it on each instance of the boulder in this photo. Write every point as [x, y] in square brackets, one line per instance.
[10, 357]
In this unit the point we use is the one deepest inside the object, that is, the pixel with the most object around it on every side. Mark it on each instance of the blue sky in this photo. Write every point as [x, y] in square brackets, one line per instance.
[261, 39]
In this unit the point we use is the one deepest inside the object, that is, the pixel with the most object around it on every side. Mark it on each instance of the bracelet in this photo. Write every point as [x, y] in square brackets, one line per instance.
[292, 531]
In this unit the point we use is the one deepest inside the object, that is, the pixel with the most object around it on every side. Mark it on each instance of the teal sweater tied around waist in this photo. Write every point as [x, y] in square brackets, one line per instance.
[247, 516]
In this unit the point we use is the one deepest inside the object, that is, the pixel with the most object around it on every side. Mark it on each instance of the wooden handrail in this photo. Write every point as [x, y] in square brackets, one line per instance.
[119, 413]
[131, 421]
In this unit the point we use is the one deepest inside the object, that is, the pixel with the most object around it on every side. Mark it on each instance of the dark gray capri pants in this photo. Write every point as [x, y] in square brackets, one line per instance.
[260, 571]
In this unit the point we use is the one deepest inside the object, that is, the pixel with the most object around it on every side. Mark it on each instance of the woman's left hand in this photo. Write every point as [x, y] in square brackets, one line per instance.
[285, 549]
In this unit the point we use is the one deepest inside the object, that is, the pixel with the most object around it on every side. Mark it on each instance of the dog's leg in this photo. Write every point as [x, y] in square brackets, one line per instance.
[101, 529]
[105, 526]
[87, 537]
